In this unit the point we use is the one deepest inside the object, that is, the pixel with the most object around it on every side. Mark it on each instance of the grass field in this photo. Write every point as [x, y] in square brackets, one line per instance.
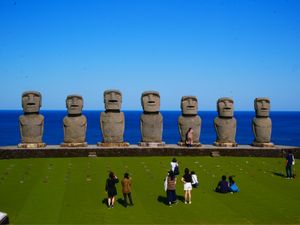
[71, 191]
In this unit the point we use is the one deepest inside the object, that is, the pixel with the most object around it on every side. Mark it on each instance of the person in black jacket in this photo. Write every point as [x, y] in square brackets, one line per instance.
[110, 188]
[223, 186]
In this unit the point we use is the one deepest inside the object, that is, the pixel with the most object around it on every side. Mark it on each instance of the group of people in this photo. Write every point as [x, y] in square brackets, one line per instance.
[110, 188]
[189, 180]
[225, 186]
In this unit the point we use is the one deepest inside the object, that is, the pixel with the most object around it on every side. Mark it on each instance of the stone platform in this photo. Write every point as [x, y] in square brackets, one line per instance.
[12, 152]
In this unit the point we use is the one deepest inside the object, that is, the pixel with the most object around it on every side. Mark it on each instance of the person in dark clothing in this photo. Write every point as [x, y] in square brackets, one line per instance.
[171, 188]
[126, 189]
[290, 160]
[223, 186]
[187, 186]
[110, 188]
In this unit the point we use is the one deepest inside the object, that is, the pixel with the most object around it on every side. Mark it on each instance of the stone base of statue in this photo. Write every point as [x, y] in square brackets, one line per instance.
[112, 144]
[31, 145]
[152, 144]
[225, 144]
[263, 145]
[183, 144]
[82, 144]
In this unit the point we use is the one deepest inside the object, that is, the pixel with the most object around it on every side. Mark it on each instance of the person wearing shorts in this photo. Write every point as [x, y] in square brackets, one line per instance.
[187, 186]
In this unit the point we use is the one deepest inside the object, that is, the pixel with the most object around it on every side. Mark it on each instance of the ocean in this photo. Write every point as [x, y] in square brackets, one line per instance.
[286, 127]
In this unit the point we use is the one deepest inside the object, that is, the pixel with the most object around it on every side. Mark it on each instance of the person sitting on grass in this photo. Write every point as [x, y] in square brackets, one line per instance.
[222, 186]
[232, 185]
[195, 182]
[126, 189]
[110, 188]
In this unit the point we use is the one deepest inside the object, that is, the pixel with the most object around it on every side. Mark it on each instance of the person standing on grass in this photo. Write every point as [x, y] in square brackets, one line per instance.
[110, 188]
[171, 188]
[126, 189]
[290, 161]
[187, 186]
[175, 167]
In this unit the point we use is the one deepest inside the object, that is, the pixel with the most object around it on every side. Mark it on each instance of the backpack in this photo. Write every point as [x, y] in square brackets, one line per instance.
[293, 163]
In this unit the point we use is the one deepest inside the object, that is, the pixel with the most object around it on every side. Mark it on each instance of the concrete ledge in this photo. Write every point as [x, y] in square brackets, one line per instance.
[13, 152]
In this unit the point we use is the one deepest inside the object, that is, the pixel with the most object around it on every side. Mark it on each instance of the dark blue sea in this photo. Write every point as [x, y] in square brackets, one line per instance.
[286, 127]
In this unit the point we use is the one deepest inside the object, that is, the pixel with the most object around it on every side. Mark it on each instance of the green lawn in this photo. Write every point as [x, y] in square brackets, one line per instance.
[71, 191]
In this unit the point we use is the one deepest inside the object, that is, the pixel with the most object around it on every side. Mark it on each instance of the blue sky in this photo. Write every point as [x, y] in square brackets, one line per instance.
[240, 49]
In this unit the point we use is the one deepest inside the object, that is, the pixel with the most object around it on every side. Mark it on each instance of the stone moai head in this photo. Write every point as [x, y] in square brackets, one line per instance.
[74, 104]
[225, 107]
[112, 100]
[262, 107]
[150, 101]
[31, 101]
[189, 105]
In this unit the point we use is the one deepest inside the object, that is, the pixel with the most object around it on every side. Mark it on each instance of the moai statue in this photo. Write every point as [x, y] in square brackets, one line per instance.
[31, 123]
[189, 119]
[225, 123]
[151, 120]
[262, 124]
[112, 121]
[74, 123]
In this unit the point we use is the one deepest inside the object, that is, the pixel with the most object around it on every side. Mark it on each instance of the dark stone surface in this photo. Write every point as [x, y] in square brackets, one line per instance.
[11, 152]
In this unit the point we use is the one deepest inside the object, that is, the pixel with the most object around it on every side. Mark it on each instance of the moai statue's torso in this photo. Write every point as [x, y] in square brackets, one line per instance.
[75, 124]
[189, 120]
[31, 123]
[186, 122]
[75, 129]
[225, 123]
[151, 127]
[261, 123]
[225, 129]
[151, 119]
[112, 126]
[112, 121]
[262, 128]
[31, 127]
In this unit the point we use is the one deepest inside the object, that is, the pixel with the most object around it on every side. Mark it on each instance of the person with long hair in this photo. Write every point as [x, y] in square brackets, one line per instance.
[189, 137]
[110, 188]
[232, 185]
[187, 186]
[171, 188]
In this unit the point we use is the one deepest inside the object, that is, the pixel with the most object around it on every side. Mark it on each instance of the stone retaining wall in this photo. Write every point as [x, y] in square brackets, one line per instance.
[12, 152]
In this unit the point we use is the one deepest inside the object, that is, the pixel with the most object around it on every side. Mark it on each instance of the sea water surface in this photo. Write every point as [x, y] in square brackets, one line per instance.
[286, 127]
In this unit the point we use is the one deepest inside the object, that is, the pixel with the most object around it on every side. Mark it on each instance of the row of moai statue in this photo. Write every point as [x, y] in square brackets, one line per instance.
[112, 121]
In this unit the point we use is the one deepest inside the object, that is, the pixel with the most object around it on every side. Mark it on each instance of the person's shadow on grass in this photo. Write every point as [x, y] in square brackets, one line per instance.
[104, 201]
[278, 174]
[122, 202]
[164, 200]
